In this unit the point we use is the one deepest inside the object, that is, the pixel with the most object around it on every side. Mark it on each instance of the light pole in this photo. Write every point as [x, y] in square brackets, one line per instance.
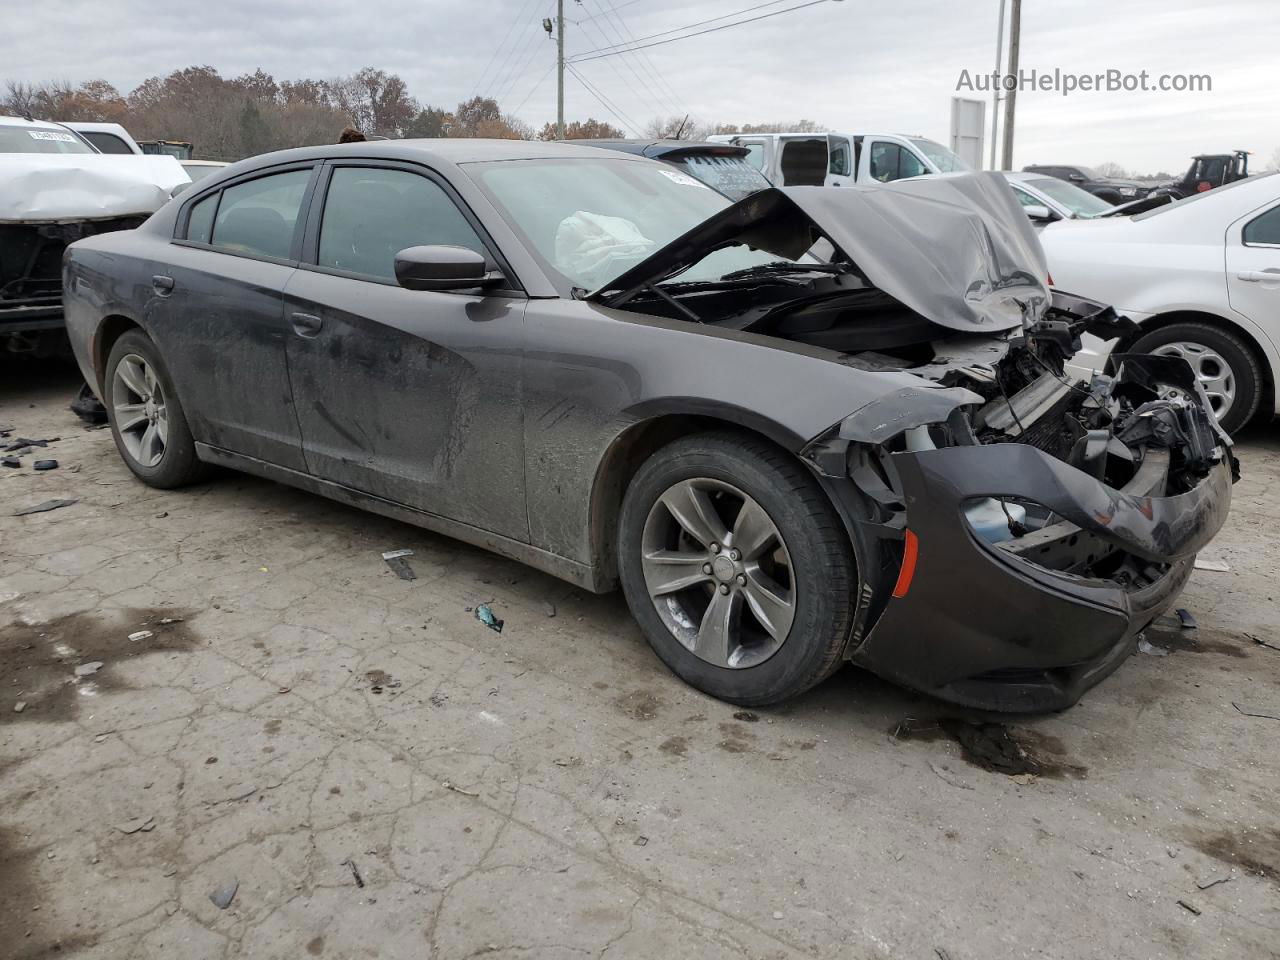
[995, 92]
[1011, 95]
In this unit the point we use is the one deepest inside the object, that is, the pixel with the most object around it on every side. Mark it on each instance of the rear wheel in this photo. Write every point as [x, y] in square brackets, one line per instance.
[147, 420]
[736, 567]
[1225, 365]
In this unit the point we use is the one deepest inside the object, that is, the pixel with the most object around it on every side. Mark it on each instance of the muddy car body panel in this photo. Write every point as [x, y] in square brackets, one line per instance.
[514, 416]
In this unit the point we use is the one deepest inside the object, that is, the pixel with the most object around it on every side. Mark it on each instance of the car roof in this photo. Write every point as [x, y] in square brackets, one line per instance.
[24, 122]
[438, 152]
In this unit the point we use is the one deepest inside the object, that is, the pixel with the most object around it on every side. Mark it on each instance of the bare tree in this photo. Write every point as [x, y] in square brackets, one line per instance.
[1110, 168]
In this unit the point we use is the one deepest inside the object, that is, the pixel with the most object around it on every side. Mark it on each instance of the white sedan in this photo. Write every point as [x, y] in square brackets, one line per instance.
[1200, 276]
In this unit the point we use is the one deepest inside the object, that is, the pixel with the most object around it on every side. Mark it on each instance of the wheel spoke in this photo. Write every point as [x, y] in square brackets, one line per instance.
[146, 445]
[771, 604]
[130, 415]
[693, 510]
[752, 530]
[715, 636]
[669, 571]
[133, 378]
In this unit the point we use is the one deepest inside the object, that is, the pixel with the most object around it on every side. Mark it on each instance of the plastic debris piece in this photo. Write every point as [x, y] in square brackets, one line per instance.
[141, 635]
[88, 669]
[165, 621]
[1187, 620]
[11, 461]
[746, 716]
[642, 841]
[45, 465]
[1262, 643]
[1217, 566]
[1214, 882]
[44, 507]
[19, 706]
[548, 608]
[137, 825]
[1190, 908]
[1150, 649]
[355, 872]
[484, 613]
[224, 893]
[396, 560]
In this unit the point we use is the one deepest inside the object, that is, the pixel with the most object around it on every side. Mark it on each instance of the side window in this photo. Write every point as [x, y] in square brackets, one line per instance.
[371, 214]
[884, 161]
[909, 165]
[839, 165]
[258, 217]
[106, 142]
[1264, 229]
[200, 222]
[755, 155]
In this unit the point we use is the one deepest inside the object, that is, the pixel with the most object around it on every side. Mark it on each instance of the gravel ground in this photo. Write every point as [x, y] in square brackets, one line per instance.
[368, 771]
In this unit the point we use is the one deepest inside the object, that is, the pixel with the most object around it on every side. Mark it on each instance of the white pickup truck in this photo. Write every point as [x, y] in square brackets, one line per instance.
[836, 159]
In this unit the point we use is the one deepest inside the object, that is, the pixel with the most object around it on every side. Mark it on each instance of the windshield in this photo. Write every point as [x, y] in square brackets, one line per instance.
[588, 221]
[41, 139]
[1082, 203]
[939, 156]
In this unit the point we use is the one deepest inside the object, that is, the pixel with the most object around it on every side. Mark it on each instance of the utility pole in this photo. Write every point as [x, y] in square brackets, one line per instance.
[995, 92]
[1011, 95]
[560, 69]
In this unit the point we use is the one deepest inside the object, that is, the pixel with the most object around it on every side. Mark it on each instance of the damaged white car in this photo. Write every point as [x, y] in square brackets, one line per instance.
[56, 188]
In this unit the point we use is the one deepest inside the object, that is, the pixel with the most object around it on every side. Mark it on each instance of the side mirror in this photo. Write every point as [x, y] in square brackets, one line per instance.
[441, 267]
[1039, 212]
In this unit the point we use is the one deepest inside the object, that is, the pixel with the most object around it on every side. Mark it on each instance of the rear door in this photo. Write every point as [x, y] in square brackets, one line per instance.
[1253, 268]
[802, 161]
[840, 168]
[217, 312]
[409, 395]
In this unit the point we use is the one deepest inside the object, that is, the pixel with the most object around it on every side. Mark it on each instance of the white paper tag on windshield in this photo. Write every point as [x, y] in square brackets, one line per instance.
[682, 178]
[51, 135]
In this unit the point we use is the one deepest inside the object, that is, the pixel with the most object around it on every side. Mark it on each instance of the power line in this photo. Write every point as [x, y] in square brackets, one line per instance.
[498, 49]
[699, 23]
[604, 101]
[522, 54]
[534, 89]
[668, 94]
[654, 95]
[596, 55]
[626, 3]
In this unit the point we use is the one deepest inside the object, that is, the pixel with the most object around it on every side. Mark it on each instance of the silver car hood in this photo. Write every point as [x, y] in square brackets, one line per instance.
[956, 249]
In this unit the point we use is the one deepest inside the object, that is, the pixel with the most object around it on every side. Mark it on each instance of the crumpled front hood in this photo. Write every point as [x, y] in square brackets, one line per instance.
[40, 188]
[956, 249]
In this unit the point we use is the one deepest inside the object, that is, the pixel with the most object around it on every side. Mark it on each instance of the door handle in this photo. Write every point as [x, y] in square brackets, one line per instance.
[1260, 276]
[162, 285]
[305, 324]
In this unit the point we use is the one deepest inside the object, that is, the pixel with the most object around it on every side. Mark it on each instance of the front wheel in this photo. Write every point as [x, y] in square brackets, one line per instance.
[147, 420]
[736, 567]
[1225, 365]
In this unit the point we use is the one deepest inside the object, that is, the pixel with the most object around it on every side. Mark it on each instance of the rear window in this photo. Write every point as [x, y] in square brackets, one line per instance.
[106, 142]
[1264, 229]
[735, 177]
[258, 217]
[38, 139]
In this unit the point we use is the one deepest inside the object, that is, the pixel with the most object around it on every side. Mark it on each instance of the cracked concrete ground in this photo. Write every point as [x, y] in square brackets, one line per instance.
[380, 775]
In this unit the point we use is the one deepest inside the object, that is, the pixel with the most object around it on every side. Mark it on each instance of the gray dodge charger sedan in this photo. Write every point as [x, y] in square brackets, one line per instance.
[600, 366]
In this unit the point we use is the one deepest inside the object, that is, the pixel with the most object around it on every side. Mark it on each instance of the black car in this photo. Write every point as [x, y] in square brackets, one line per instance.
[1111, 189]
[719, 165]
[601, 367]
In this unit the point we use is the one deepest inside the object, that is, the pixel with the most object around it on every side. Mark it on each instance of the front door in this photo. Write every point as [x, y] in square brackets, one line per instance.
[412, 396]
[839, 160]
[217, 314]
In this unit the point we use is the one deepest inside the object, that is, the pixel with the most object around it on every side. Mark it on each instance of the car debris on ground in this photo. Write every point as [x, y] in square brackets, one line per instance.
[44, 507]
[224, 893]
[484, 613]
[398, 561]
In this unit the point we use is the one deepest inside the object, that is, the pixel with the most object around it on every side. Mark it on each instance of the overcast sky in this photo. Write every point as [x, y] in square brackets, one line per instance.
[854, 65]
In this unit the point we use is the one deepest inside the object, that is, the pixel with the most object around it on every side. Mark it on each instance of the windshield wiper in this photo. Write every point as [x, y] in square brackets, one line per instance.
[781, 267]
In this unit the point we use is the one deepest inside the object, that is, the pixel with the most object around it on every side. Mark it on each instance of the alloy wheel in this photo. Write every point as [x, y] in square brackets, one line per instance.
[718, 572]
[141, 418]
[1213, 372]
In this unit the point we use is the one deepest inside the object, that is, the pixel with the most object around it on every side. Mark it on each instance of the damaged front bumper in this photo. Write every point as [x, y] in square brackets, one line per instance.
[1008, 626]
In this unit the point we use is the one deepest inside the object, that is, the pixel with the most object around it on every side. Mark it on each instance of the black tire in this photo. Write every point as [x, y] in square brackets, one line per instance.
[1245, 366]
[823, 572]
[178, 464]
